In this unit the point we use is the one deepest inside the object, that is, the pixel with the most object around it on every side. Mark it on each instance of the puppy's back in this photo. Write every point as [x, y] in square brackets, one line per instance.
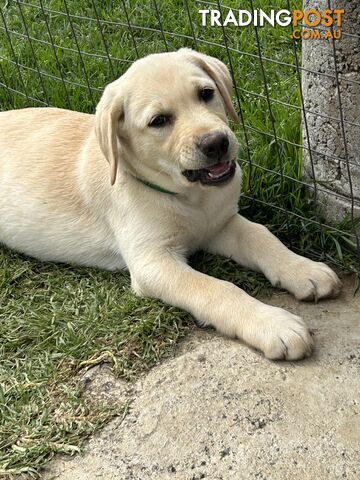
[40, 145]
[42, 212]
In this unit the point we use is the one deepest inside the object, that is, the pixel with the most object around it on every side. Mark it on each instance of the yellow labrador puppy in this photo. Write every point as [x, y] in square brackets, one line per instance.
[173, 188]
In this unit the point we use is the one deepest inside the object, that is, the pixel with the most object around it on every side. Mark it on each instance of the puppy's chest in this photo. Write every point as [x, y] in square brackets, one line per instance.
[203, 223]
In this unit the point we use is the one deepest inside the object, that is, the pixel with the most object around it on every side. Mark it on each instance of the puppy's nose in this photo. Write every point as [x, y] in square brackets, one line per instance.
[214, 145]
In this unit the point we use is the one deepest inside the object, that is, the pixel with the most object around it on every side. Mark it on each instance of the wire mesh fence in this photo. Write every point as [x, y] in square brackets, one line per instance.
[63, 52]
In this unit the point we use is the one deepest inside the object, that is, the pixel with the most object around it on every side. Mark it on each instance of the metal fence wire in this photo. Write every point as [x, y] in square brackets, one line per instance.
[63, 52]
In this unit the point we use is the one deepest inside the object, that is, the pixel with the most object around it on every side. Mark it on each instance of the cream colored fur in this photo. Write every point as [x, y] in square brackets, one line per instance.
[57, 201]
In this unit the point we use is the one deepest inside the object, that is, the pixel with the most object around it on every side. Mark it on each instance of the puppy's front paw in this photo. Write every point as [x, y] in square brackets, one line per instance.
[282, 335]
[308, 280]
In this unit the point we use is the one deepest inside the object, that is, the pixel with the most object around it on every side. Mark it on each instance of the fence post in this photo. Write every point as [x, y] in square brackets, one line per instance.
[331, 89]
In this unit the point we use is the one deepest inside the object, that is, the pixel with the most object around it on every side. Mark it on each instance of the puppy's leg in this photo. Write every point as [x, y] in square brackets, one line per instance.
[252, 245]
[276, 332]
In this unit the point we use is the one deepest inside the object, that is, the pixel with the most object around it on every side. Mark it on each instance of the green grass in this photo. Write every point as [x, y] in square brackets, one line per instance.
[54, 320]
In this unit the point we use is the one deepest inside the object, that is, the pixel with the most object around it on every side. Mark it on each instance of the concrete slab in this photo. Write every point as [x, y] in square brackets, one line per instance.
[221, 411]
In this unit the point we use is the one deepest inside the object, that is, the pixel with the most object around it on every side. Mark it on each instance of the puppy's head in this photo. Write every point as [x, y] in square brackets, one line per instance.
[165, 121]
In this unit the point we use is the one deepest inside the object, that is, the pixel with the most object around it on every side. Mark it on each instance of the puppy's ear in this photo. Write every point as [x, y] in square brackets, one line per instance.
[219, 72]
[109, 112]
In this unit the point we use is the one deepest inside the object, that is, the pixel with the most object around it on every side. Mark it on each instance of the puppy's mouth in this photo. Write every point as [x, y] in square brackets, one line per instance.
[217, 174]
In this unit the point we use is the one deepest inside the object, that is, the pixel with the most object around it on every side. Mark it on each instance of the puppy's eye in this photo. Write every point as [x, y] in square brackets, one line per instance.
[159, 121]
[206, 94]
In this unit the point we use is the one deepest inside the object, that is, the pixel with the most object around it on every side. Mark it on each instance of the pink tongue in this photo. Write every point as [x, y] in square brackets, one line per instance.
[219, 168]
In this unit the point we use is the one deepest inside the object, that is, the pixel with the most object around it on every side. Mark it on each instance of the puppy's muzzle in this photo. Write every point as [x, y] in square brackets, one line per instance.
[219, 169]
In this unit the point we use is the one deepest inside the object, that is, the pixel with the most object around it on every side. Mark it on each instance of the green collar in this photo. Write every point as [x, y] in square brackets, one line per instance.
[155, 187]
